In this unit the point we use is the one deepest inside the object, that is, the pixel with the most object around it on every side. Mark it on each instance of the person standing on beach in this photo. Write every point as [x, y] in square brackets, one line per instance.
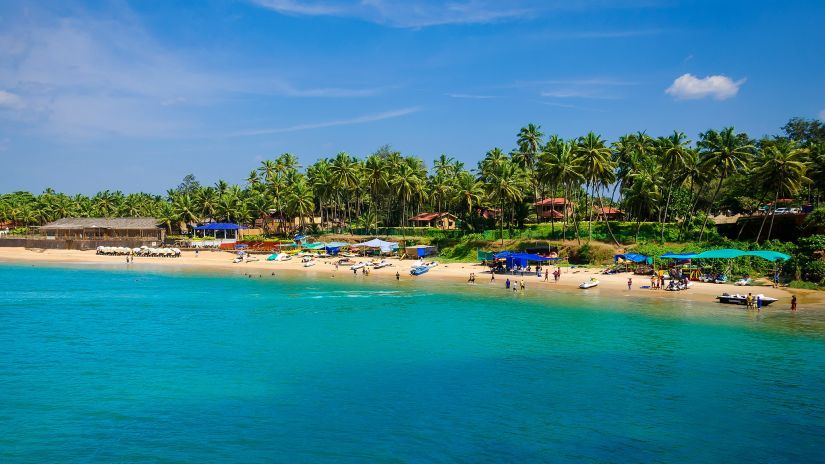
[547, 275]
[776, 279]
[492, 275]
[793, 303]
[521, 285]
[629, 283]
[759, 302]
[749, 301]
[397, 276]
[507, 284]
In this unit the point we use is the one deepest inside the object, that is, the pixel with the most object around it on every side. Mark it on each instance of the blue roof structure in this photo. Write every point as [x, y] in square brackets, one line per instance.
[633, 257]
[219, 226]
[671, 255]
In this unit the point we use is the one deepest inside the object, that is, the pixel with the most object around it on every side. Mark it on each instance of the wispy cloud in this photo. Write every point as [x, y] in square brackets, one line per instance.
[81, 76]
[471, 96]
[588, 88]
[408, 13]
[597, 34]
[690, 87]
[340, 122]
[572, 107]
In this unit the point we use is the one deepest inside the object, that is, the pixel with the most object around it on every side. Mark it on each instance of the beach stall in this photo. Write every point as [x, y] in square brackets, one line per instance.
[223, 232]
[377, 246]
[518, 259]
[333, 248]
[421, 251]
[642, 262]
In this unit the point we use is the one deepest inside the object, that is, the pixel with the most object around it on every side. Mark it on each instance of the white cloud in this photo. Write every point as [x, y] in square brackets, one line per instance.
[690, 87]
[407, 13]
[341, 122]
[84, 77]
[10, 100]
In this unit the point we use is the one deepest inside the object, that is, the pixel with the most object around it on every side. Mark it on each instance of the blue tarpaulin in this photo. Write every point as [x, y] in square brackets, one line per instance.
[520, 258]
[633, 257]
[219, 226]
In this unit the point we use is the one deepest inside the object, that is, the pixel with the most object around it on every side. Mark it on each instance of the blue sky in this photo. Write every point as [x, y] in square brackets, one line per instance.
[134, 95]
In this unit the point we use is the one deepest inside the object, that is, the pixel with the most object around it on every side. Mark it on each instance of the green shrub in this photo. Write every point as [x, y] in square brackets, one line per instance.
[804, 285]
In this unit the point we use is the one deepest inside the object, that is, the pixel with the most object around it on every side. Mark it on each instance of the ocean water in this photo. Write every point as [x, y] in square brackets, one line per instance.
[134, 366]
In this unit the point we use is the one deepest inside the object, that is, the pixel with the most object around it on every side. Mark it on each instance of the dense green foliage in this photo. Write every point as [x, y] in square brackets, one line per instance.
[667, 188]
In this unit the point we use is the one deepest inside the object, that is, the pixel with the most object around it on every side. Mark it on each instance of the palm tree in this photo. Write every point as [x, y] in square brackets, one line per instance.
[300, 201]
[723, 153]
[783, 165]
[505, 182]
[184, 211]
[598, 168]
[674, 155]
[529, 145]
[468, 194]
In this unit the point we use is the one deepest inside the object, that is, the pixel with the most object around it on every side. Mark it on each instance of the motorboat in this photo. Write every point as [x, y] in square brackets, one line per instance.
[675, 286]
[743, 282]
[418, 270]
[738, 299]
[309, 263]
[357, 266]
[381, 264]
[589, 283]
[722, 279]
[273, 257]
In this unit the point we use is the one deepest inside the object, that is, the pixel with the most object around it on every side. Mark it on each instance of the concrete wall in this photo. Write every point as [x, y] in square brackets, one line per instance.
[74, 244]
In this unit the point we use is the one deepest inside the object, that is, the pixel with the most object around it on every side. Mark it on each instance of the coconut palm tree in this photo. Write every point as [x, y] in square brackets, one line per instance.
[723, 153]
[783, 165]
[673, 153]
[505, 184]
[595, 159]
[468, 194]
[300, 200]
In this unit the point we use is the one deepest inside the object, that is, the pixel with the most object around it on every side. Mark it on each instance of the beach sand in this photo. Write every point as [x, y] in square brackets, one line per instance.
[610, 285]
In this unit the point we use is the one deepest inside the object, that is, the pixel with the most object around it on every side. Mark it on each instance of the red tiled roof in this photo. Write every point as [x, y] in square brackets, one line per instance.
[551, 213]
[552, 201]
[428, 216]
[609, 210]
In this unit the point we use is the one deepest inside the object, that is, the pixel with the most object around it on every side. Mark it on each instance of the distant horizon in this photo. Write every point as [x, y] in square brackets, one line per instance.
[134, 96]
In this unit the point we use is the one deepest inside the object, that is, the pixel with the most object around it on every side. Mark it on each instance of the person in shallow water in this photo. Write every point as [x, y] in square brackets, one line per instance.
[793, 303]
[507, 284]
[397, 276]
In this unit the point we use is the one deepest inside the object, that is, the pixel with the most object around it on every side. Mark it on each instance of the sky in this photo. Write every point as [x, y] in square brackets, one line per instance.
[133, 96]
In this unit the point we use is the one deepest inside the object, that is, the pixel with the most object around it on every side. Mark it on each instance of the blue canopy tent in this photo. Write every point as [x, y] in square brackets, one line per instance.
[334, 247]
[514, 259]
[223, 227]
[633, 257]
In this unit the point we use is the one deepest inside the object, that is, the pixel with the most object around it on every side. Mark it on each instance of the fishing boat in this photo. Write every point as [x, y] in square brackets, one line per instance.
[589, 283]
[381, 264]
[357, 266]
[418, 270]
[738, 299]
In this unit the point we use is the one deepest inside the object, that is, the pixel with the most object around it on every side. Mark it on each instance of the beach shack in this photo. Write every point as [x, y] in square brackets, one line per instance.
[444, 221]
[519, 259]
[136, 229]
[222, 232]
[421, 251]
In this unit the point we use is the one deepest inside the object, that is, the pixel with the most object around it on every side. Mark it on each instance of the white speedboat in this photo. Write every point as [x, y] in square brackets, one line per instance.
[743, 282]
[589, 283]
[309, 263]
[381, 264]
[738, 299]
[357, 266]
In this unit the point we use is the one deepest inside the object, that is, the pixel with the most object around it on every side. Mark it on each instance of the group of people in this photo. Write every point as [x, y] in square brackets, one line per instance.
[657, 281]
[515, 285]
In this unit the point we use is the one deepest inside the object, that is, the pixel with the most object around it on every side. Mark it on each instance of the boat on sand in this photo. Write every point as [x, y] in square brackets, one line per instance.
[589, 283]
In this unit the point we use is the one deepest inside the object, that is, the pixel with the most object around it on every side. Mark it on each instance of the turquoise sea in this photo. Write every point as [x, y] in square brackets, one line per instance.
[116, 365]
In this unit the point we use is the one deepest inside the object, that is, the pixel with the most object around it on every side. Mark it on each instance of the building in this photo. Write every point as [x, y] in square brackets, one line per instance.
[610, 213]
[271, 223]
[444, 221]
[553, 208]
[145, 229]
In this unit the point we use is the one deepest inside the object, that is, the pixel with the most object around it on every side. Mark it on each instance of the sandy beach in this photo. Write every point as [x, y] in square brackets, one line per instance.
[455, 272]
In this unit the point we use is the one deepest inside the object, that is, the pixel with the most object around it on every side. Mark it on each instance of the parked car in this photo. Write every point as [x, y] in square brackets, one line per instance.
[782, 210]
[796, 210]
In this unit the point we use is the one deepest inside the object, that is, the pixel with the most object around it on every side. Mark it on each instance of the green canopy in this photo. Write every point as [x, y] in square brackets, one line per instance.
[485, 255]
[314, 246]
[730, 253]
[769, 255]
[724, 253]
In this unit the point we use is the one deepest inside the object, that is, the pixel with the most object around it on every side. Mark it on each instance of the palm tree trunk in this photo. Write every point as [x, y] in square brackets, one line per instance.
[712, 201]
[664, 218]
[601, 205]
[773, 213]
[590, 217]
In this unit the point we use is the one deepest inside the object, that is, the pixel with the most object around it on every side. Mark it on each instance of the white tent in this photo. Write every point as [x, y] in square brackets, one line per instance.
[385, 247]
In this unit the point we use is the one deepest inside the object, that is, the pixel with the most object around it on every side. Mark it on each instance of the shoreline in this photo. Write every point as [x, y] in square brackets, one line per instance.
[610, 285]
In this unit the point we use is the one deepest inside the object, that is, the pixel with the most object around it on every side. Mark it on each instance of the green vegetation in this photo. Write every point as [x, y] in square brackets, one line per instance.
[667, 189]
